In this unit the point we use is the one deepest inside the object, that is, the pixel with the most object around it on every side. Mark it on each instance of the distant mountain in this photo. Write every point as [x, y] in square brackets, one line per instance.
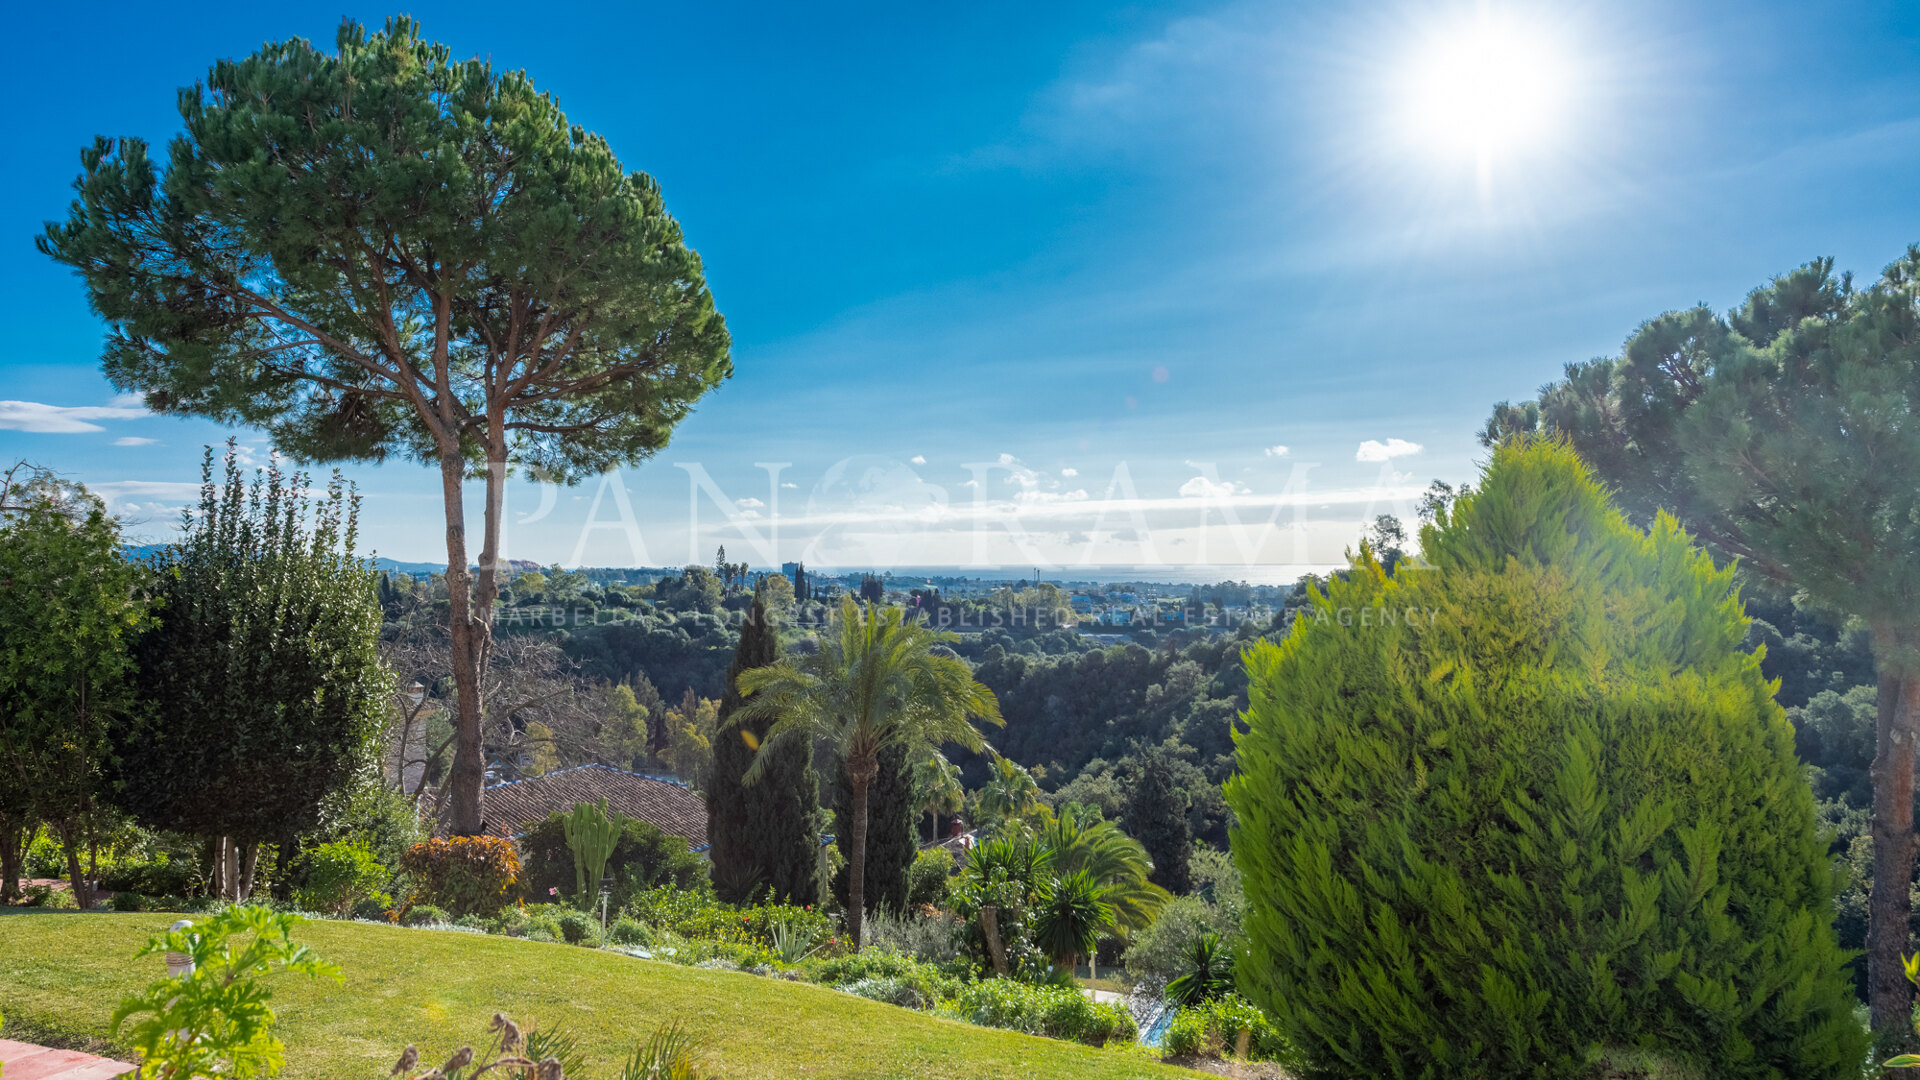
[394, 566]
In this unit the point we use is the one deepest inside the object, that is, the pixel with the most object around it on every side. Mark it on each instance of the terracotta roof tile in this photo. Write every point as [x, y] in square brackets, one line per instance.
[667, 804]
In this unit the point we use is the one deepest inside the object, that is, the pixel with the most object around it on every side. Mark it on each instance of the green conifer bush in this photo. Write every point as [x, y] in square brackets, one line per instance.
[1530, 807]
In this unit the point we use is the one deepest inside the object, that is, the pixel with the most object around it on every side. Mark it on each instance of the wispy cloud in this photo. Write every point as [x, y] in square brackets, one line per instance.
[133, 440]
[1375, 450]
[918, 459]
[42, 419]
[1275, 451]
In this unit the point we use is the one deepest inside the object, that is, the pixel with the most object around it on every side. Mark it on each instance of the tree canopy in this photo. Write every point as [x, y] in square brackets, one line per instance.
[261, 676]
[383, 251]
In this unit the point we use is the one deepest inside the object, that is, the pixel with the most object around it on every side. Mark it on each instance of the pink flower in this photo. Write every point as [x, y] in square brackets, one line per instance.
[553, 891]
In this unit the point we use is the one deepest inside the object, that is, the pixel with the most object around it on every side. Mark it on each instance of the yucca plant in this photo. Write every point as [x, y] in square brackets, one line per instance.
[1208, 975]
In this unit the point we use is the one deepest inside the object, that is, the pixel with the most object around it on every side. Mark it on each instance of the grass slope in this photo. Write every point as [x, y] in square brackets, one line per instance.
[66, 972]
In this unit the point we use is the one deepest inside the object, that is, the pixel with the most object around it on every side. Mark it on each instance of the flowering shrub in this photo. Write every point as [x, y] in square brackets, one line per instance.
[1054, 1011]
[467, 875]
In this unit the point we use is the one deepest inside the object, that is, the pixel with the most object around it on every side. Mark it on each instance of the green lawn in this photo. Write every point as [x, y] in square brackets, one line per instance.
[65, 972]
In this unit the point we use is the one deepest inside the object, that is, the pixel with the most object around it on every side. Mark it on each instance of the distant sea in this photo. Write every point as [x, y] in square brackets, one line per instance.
[1157, 574]
[1154, 574]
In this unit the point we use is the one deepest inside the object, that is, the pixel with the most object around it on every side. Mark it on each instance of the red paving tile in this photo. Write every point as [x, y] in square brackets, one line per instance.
[25, 1061]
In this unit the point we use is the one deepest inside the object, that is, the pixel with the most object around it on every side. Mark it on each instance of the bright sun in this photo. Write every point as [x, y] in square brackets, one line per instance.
[1488, 89]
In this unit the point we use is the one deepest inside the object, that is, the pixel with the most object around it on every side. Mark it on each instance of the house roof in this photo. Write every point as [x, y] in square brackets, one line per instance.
[663, 802]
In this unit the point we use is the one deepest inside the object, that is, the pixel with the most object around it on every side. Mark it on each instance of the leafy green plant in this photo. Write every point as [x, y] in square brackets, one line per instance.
[465, 874]
[340, 875]
[1214, 1028]
[127, 901]
[425, 915]
[1207, 975]
[214, 1020]
[579, 928]
[627, 930]
[1058, 1012]
[928, 878]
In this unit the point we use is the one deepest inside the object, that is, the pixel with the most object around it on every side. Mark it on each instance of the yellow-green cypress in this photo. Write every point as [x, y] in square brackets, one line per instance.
[1529, 808]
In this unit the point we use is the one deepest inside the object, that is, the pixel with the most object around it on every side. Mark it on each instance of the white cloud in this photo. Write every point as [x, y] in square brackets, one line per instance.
[65, 419]
[789, 484]
[1069, 472]
[749, 503]
[1375, 450]
[918, 459]
[133, 440]
[1275, 451]
[1200, 487]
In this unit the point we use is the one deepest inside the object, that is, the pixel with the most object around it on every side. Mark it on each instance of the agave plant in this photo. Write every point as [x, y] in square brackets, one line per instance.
[791, 943]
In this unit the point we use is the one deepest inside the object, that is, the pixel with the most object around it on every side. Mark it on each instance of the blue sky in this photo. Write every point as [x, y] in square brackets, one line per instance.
[1050, 283]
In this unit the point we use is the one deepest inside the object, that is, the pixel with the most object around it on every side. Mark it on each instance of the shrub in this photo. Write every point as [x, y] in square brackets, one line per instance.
[642, 858]
[371, 909]
[161, 876]
[340, 875]
[1159, 952]
[630, 931]
[901, 992]
[1058, 1012]
[579, 928]
[1212, 1030]
[934, 939]
[1500, 815]
[697, 914]
[425, 915]
[466, 874]
[128, 901]
[927, 878]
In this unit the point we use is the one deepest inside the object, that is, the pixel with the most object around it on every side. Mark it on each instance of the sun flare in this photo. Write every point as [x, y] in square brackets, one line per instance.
[1488, 89]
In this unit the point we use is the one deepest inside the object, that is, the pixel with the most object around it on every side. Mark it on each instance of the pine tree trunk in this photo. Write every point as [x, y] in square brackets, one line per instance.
[1890, 905]
[467, 777]
[857, 859]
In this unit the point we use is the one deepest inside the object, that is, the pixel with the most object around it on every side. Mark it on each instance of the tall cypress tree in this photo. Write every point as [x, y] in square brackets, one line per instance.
[891, 843]
[1156, 815]
[1532, 807]
[763, 833]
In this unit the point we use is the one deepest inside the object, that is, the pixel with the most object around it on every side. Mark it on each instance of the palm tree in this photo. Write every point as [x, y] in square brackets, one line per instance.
[1010, 796]
[879, 680]
[1209, 973]
[937, 789]
[1114, 860]
[1072, 916]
